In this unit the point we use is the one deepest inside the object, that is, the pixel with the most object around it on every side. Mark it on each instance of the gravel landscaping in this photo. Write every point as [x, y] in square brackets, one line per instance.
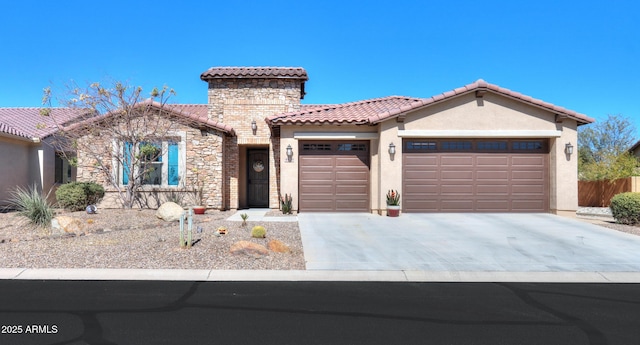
[137, 239]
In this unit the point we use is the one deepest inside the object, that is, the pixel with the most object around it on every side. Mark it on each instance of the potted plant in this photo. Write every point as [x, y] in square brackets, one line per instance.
[393, 203]
[198, 192]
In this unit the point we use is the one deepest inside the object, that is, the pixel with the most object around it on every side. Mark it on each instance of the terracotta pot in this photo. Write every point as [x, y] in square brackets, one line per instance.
[393, 211]
[199, 209]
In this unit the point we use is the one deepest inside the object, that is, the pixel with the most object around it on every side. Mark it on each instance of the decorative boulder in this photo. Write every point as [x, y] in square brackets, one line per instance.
[169, 212]
[247, 248]
[278, 247]
[68, 224]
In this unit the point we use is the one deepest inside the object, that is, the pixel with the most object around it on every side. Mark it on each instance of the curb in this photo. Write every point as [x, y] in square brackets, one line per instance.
[316, 275]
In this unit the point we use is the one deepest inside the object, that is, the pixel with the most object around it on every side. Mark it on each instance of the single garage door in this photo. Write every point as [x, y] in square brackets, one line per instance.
[460, 175]
[334, 176]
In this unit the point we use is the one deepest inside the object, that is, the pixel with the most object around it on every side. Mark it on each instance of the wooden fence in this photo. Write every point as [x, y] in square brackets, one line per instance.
[599, 193]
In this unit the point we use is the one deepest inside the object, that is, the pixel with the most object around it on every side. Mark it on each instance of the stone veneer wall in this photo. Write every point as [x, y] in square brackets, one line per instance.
[204, 152]
[237, 102]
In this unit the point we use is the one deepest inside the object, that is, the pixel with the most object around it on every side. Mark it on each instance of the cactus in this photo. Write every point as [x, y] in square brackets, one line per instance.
[258, 231]
[285, 203]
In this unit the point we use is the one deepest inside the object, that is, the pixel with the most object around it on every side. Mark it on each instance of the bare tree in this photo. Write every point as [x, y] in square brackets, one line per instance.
[123, 136]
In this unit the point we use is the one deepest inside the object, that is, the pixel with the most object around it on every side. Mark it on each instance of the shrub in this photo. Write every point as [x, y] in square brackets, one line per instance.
[286, 202]
[625, 208]
[76, 196]
[32, 204]
[258, 231]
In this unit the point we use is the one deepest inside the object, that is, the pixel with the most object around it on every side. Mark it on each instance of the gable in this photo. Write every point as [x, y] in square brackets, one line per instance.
[491, 112]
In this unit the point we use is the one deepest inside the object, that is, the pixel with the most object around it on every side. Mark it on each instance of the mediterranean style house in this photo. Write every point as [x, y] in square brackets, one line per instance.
[477, 148]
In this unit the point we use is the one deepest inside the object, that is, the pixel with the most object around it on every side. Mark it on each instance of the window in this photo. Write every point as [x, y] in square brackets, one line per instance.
[456, 145]
[492, 146]
[528, 145]
[158, 160]
[62, 170]
[316, 147]
[352, 147]
[421, 145]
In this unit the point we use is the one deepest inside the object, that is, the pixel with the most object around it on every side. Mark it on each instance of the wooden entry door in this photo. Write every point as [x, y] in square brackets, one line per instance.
[258, 178]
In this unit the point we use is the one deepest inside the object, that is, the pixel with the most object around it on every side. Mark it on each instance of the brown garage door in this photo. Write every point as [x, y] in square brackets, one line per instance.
[334, 176]
[475, 175]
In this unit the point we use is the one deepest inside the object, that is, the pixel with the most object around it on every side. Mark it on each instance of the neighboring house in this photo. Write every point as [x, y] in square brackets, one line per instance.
[635, 149]
[478, 148]
[27, 151]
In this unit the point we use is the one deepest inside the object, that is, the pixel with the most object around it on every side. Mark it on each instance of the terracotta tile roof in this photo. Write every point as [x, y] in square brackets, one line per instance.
[352, 113]
[254, 72]
[197, 113]
[29, 124]
[381, 109]
[481, 85]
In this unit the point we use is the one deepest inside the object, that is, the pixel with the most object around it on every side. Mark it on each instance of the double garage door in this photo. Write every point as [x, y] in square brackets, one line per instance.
[457, 175]
[475, 175]
[334, 176]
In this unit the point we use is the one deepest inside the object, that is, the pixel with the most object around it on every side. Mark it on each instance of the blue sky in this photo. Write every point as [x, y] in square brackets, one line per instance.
[584, 56]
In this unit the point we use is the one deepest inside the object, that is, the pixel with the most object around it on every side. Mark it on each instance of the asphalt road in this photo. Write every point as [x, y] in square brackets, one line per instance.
[157, 312]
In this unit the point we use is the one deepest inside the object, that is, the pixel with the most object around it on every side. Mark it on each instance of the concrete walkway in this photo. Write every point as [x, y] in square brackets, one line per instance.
[260, 215]
[464, 243]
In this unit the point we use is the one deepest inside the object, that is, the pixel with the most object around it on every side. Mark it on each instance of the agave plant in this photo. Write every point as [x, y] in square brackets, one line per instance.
[32, 204]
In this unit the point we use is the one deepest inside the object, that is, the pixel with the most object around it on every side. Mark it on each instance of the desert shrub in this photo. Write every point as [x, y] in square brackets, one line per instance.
[258, 231]
[32, 204]
[285, 203]
[76, 196]
[625, 208]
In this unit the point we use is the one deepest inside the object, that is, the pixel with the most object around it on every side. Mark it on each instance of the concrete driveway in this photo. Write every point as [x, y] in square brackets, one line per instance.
[464, 243]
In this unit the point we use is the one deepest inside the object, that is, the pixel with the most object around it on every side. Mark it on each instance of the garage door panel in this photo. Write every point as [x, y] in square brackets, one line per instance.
[448, 175]
[447, 161]
[421, 189]
[421, 205]
[528, 175]
[528, 160]
[489, 160]
[528, 189]
[500, 175]
[421, 174]
[361, 176]
[456, 189]
[316, 161]
[492, 205]
[346, 161]
[421, 160]
[476, 181]
[309, 176]
[349, 189]
[448, 205]
[493, 189]
[527, 205]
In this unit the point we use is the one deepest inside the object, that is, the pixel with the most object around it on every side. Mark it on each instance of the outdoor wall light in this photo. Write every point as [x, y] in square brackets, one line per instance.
[289, 153]
[568, 149]
[254, 126]
[392, 149]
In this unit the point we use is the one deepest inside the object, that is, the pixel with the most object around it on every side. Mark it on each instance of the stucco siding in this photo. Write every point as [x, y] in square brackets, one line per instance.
[491, 112]
[14, 166]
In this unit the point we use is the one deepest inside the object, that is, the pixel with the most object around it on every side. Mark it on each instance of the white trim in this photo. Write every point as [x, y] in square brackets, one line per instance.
[335, 135]
[415, 133]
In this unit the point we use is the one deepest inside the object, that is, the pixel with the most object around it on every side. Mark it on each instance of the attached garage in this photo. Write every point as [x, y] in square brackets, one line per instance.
[473, 175]
[334, 176]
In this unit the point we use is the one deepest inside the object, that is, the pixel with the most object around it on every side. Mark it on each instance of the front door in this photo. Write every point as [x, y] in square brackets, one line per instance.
[258, 178]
